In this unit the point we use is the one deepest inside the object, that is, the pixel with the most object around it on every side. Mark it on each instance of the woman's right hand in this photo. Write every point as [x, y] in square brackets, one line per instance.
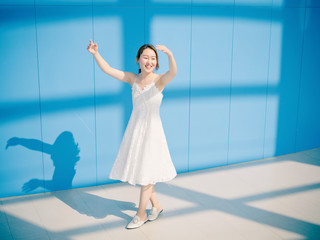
[92, 48]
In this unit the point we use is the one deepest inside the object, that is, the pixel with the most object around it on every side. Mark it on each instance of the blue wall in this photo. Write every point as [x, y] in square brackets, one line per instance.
[246, 89]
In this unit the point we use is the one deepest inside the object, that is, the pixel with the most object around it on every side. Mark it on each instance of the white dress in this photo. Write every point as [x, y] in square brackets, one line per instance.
[143, 156]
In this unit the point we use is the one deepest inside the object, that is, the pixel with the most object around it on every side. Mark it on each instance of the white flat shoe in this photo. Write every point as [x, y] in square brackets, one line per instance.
[154, 214]
[136, 223]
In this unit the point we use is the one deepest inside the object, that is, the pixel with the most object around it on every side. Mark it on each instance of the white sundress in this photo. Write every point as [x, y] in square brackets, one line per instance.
[143, 157]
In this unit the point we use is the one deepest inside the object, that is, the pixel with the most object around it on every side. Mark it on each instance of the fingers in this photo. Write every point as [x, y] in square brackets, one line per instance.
[162, 48]
[92, 46]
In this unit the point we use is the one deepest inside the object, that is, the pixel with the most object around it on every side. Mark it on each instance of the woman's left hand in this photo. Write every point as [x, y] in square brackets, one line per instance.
[164, 49]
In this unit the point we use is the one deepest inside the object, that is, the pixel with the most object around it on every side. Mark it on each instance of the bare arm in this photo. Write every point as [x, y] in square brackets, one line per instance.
[171, 73]
[105, 67]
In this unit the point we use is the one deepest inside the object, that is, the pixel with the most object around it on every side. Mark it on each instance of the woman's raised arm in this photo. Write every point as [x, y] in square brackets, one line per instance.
[105, 67]
[169, 75]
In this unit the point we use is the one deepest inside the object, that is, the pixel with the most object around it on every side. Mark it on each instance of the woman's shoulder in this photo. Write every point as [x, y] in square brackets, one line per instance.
[157, 77]
[132, 77]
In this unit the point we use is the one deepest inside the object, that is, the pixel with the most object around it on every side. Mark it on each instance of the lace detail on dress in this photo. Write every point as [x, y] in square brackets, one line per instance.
[146, 88]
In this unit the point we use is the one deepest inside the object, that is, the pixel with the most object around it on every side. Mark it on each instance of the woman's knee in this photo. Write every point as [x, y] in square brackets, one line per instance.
[147, 187]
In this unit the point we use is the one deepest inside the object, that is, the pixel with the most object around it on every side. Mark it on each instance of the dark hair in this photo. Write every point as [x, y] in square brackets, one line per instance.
[142, 48]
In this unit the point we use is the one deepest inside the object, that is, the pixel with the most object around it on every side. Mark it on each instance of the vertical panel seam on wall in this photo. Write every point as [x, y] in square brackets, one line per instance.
[267, 90]
[39, 92]
[231, 76]
[189, 123]
[300, 77]
[144, 21]
[94, 98]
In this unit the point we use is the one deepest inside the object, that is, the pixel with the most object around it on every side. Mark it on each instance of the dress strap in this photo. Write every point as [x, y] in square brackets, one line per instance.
[134, 80]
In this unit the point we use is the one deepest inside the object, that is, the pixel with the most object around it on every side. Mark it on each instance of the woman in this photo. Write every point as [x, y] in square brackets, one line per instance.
[143, 156]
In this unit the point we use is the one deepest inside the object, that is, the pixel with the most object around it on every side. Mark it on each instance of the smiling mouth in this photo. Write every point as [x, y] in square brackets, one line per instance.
[148, 66]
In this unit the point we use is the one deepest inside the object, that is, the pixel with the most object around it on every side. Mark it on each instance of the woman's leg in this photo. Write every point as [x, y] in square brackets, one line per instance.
[145, 195]
[154, 200]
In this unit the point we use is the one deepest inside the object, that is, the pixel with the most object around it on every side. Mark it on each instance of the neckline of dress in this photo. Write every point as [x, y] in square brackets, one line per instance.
[145, 87]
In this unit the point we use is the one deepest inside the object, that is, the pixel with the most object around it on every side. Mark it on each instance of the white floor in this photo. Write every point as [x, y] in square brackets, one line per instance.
[277, 198]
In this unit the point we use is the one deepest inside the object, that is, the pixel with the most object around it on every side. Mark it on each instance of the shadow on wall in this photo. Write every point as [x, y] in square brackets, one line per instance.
[64, 154]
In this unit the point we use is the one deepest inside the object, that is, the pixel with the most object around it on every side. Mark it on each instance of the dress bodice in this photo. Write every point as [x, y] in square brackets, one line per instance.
[147, 99]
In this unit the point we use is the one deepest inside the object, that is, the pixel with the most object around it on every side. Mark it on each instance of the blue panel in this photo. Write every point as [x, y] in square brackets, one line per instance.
[17, 2]
[288, 3]
[308, 131]
[63, 2]
[67, 95]
[208, 3]
[119, 2]
[313, 3]
[209, 122]
[249, 82]
[182, 3]
[251, 48]
[210, 87]
[119, 37]
[261, 3]
[283, 87]
[211, 47]
[19, 102]
[171, 27]
[90, 2]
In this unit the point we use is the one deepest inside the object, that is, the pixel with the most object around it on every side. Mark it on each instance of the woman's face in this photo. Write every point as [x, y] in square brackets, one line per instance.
[147, 60]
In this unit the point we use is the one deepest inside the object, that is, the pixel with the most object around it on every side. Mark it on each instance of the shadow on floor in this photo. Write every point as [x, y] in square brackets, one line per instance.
[95, 206]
